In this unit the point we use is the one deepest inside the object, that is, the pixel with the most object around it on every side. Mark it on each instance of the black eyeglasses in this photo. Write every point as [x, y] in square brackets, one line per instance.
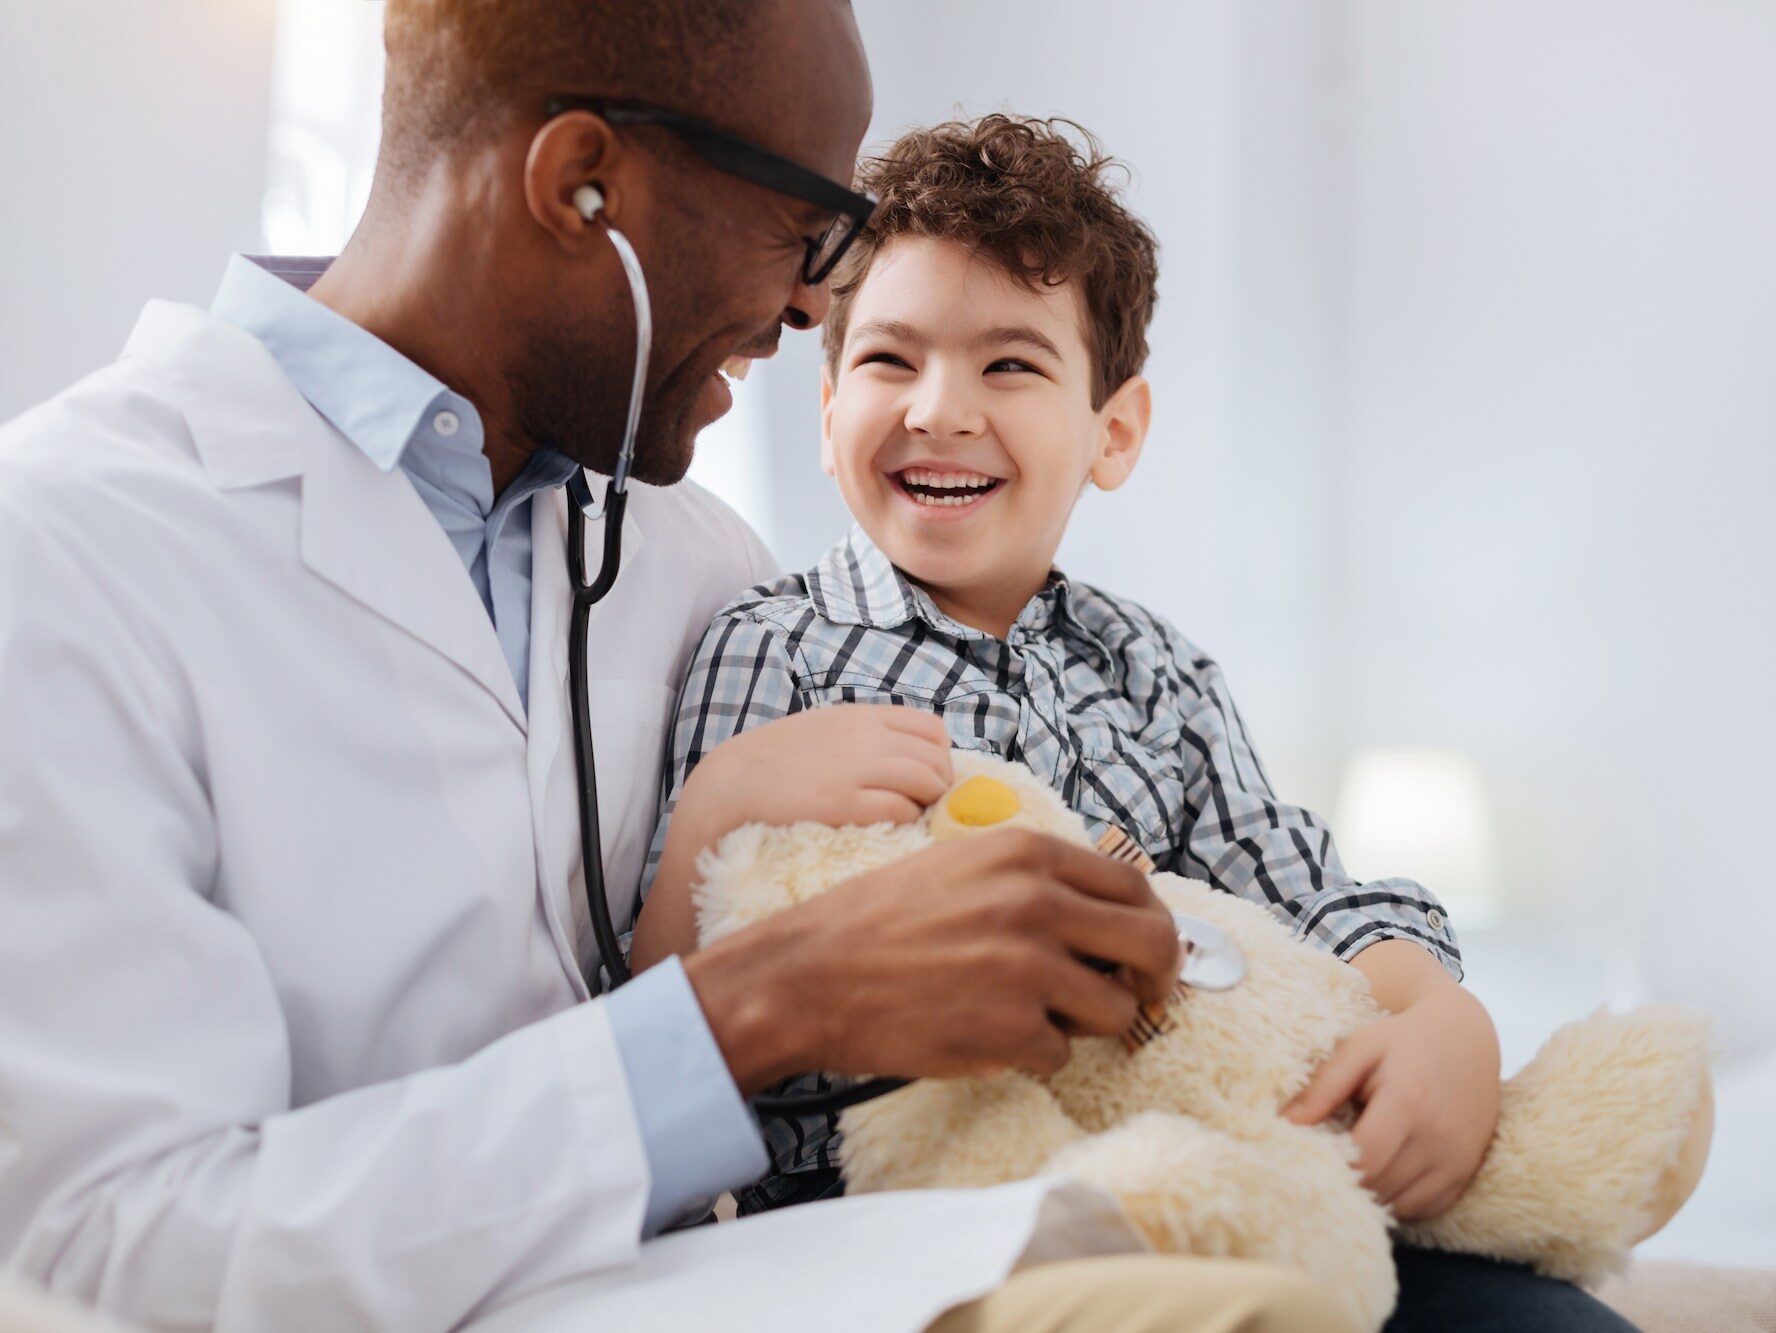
[749, 162]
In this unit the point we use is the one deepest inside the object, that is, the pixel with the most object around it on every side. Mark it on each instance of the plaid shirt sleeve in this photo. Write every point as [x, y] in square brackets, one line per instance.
[1243, 839]
[741, 678]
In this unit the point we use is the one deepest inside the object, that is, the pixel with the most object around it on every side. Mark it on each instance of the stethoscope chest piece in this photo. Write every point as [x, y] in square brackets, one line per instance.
[1212, 961]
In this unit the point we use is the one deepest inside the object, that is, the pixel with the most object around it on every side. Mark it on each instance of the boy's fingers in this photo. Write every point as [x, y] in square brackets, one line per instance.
[876, 805]
[1421, 1196]
[917, 722]
[1380, 1134]
[1334, 1083]
[934, 757]
[906, 776]
[1409, 1166]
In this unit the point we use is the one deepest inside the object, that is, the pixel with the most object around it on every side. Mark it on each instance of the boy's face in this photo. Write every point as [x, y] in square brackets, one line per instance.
[960, 426]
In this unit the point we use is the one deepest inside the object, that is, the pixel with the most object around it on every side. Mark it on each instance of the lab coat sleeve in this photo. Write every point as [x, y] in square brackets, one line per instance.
[699, 1132]
[150, 1158]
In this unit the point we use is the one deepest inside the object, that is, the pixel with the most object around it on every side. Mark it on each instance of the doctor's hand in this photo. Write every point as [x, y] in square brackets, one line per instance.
[963, 959]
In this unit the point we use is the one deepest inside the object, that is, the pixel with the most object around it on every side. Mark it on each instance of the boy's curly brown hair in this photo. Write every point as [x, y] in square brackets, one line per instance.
[1041, 206]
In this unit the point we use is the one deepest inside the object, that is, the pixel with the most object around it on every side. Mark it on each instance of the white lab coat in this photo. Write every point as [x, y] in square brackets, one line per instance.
[292, 923]
[290, 892]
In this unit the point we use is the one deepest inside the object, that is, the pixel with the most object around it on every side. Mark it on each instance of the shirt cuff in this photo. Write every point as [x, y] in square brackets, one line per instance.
[698, 1132]
[1345, 923]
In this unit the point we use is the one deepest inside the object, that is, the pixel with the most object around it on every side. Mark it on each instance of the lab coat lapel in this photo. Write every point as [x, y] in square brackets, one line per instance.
[365, 531]
[553, 787]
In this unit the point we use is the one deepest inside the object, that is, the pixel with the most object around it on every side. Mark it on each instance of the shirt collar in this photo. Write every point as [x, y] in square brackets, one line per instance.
[374, 396]
[856, 584]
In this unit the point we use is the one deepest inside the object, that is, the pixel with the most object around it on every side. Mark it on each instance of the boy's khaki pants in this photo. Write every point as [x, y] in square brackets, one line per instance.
[1150, 1293]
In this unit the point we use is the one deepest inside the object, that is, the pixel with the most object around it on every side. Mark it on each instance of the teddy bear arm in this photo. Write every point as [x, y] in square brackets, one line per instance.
[1600, 1139]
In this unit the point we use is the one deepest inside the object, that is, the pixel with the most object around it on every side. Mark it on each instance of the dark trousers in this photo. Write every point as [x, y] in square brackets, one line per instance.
[1457, 1293]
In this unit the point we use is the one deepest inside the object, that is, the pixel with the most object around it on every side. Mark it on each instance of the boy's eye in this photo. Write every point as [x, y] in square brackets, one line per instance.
[1012, 363]
[882, 359]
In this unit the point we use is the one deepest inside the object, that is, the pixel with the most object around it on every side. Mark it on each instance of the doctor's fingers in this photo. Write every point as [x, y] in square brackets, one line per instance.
[1085, 1002]
[1139, 941]
[1080, 869]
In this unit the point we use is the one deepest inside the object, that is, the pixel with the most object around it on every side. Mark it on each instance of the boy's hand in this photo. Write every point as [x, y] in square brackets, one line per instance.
[1426, 1083]
[846, 764]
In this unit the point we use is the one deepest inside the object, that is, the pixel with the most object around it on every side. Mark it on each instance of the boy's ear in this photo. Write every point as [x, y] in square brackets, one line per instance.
[1123, 421]
[826, 399]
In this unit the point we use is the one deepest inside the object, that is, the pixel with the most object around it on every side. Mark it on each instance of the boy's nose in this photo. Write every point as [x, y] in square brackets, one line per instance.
[942, 408]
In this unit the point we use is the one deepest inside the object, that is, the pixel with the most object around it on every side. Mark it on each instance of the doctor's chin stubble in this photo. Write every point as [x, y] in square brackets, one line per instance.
[571, 390]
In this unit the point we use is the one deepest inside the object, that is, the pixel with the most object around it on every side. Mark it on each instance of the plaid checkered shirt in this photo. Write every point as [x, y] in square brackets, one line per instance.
[1129, 721]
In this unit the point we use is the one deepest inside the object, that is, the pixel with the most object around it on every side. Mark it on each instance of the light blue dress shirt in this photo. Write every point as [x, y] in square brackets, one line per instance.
[699, 1135]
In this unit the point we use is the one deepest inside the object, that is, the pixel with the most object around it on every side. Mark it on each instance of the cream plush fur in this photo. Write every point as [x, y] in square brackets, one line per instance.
[1600, 1138]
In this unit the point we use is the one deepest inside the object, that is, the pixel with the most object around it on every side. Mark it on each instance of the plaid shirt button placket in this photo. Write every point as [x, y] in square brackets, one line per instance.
[1079, 663]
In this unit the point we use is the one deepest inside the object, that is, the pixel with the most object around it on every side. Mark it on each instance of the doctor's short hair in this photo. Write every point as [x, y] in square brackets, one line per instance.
[457, 67]
[1030, 197]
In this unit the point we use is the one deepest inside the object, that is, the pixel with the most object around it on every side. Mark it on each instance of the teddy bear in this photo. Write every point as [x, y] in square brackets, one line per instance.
[1600, 1137]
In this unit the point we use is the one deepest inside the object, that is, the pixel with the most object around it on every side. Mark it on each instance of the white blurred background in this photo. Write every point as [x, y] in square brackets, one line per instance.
[1465, 441]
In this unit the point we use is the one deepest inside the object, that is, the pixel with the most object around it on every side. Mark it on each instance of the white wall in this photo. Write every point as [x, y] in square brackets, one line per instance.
[1557, 356]
[132, 160]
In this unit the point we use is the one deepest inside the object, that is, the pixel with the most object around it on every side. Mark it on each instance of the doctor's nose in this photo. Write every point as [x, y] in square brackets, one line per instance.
[807, 305]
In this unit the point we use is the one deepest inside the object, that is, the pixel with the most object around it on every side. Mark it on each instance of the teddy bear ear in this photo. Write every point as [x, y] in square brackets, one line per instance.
[991, 793]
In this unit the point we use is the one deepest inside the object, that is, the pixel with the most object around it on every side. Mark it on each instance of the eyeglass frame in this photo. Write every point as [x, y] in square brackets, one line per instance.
[737, 157]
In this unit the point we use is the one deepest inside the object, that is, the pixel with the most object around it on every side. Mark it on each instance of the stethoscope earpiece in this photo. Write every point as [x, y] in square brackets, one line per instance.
[589, 199]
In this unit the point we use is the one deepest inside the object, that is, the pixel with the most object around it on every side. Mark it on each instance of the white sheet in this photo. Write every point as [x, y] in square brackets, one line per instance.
[888, 1262]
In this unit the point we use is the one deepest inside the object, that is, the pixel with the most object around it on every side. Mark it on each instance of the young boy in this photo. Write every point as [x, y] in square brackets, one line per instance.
[984, 352]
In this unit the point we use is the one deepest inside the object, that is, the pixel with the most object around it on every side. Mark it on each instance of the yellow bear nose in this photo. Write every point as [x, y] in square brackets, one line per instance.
[982, 802]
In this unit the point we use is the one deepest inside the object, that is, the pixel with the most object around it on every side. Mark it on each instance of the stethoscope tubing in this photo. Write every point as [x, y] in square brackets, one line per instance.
[585, 597]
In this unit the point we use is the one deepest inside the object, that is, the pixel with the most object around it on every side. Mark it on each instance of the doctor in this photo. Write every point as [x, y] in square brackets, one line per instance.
[295, 1029]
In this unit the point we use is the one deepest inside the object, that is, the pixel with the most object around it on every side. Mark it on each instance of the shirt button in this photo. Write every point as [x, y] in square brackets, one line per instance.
[446, 422]
[1435, 918]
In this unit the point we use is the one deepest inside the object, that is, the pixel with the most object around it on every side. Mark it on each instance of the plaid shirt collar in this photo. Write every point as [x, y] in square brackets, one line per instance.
[856, 584]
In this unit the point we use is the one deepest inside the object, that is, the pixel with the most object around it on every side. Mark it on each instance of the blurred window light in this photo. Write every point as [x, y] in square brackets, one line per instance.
[325, 123]
[1421, 812]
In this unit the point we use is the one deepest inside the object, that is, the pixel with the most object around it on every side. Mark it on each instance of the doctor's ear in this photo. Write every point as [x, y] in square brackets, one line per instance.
[574, 175]
[1122, 421]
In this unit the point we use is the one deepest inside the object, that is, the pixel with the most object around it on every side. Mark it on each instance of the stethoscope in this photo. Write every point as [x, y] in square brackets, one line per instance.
[587, 593]
[1213, 962]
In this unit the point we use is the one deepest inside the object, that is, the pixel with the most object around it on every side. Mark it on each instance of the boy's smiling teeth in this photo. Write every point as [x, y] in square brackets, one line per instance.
[929, 487]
